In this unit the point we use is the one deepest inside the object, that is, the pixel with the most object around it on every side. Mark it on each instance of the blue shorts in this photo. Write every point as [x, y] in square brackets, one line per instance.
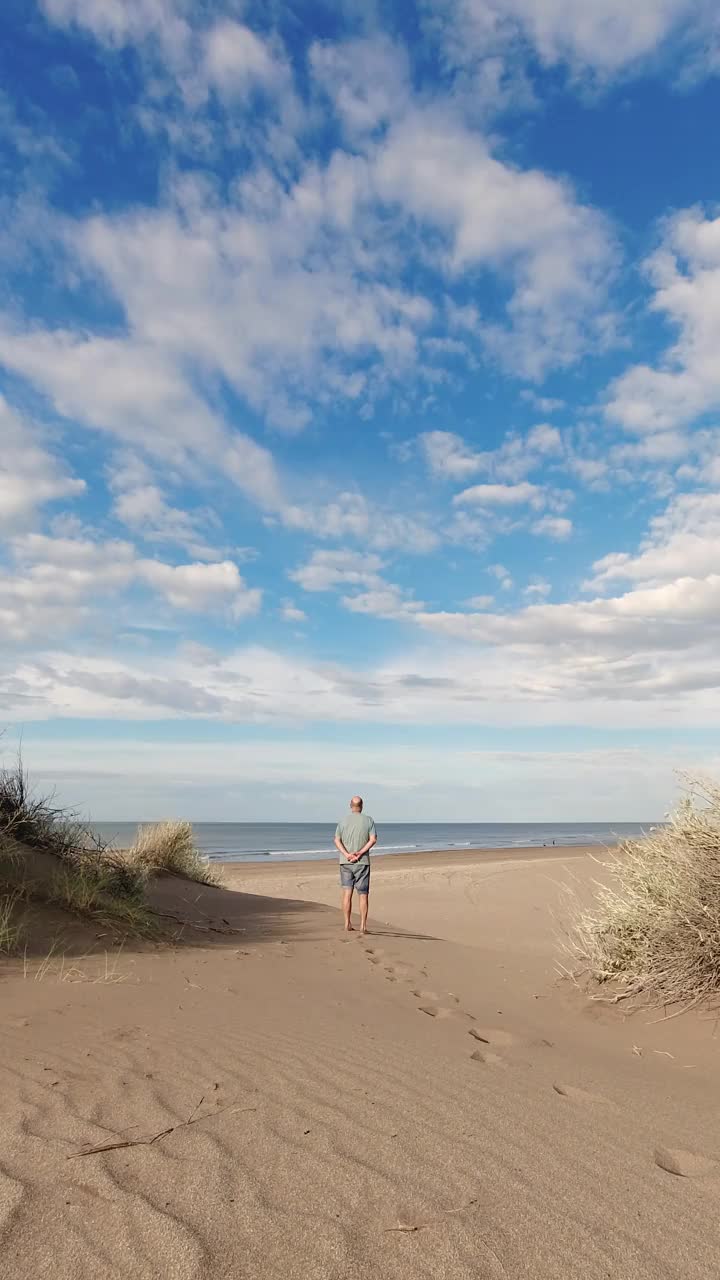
[355, 875]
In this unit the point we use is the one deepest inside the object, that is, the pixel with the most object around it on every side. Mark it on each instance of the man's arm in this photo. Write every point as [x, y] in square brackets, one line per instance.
[367, 847]
[351, 857]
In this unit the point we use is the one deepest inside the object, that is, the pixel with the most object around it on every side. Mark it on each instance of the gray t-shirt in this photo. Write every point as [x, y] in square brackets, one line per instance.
[354, 830]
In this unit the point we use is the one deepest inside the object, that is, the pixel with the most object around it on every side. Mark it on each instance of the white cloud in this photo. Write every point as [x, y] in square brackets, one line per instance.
[557, 253]
[198, 587]
[289, 612]
[557, 527]
[544, 439]
[142, 506]
[448, 455]
[683, 541]
[685, 273]
[120, 22]
[502, 574]
[502, 495]
[137, 396]
[30, 475]
[537, 589]
[140, 398]
[63, 583]
[117, 385]
[331, 570]
[199, 280]
[384, 601]
[366, 79]
[236, 60]
[328, 569]
[602, 38]
[352, 515]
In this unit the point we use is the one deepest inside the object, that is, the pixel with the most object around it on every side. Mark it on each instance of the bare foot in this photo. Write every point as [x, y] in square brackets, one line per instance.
[364, 930]
[349, 928]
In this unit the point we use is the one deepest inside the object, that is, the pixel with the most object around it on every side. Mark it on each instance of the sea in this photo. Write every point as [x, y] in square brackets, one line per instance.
[309, 841]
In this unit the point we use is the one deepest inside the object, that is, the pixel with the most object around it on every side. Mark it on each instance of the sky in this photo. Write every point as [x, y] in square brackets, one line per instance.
[359, 394]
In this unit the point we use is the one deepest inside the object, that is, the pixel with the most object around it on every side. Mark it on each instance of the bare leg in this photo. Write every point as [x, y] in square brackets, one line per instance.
[347, 895]
[363, 900]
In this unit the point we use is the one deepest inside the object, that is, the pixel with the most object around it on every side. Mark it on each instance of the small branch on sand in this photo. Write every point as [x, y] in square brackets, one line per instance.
[193, 1118]
[198, 928]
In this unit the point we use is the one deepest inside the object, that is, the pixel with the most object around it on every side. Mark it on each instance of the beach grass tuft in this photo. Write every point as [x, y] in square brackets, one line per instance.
[11, 929]
[170, 846]
[655, 931]
[87, 876]
[87, 890]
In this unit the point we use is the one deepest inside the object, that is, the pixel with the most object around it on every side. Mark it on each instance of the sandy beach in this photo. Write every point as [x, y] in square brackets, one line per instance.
[434, 1100]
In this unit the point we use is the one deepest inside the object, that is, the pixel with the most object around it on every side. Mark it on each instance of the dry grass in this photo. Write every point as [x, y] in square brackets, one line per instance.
[656, 930]
[91, 878]
[55, 966]
[11, 929]
[170, 846]
[86, 890]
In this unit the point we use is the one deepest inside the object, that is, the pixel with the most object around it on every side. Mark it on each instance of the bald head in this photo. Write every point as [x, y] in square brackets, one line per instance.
[356, 804]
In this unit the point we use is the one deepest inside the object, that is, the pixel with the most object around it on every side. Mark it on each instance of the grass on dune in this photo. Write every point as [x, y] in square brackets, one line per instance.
[11, 929]
[87, 876]
[170, 846]
[85, 891]
[656, 930]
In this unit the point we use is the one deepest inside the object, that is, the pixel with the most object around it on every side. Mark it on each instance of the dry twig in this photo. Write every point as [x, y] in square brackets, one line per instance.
[193, 1118]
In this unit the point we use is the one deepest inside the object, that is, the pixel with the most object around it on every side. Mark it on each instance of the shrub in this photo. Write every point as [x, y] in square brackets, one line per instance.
[170, 846]
[656, 929]
[33, 820]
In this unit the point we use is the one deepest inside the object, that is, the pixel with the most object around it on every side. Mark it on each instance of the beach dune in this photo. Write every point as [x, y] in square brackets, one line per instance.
[279, 1099]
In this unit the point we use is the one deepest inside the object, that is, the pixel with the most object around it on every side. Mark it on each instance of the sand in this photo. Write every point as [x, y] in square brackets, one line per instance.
[429, 1101]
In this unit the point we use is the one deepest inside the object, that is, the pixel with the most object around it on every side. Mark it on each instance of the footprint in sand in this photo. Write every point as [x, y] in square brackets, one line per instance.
[683, 1164]
[425, 995]
[488, 1057]
[489, 1035]
[435, 1011]
[442, 1012]
[577, 1095]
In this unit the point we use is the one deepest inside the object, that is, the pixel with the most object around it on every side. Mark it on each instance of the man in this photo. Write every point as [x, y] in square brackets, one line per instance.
[354, 838]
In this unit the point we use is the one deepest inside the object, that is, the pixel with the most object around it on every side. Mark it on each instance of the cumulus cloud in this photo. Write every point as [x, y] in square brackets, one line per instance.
[289, 612]
[331, 570]
[328, 569]
[367, 80]
[61, 583]
[200, 586]
[556, 252]
[30, 475]
[450, 457]
[683, 541]
[602, 39]
[502, 495]
[236, 60]
[685, 274]
[557, 527]
[120, 22]
[352, 515]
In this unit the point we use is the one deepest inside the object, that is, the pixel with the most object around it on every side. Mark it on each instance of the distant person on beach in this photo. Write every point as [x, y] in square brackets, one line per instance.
[354, 838]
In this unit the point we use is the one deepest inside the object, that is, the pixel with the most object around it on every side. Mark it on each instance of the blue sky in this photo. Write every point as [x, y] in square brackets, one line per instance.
[359, 389]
